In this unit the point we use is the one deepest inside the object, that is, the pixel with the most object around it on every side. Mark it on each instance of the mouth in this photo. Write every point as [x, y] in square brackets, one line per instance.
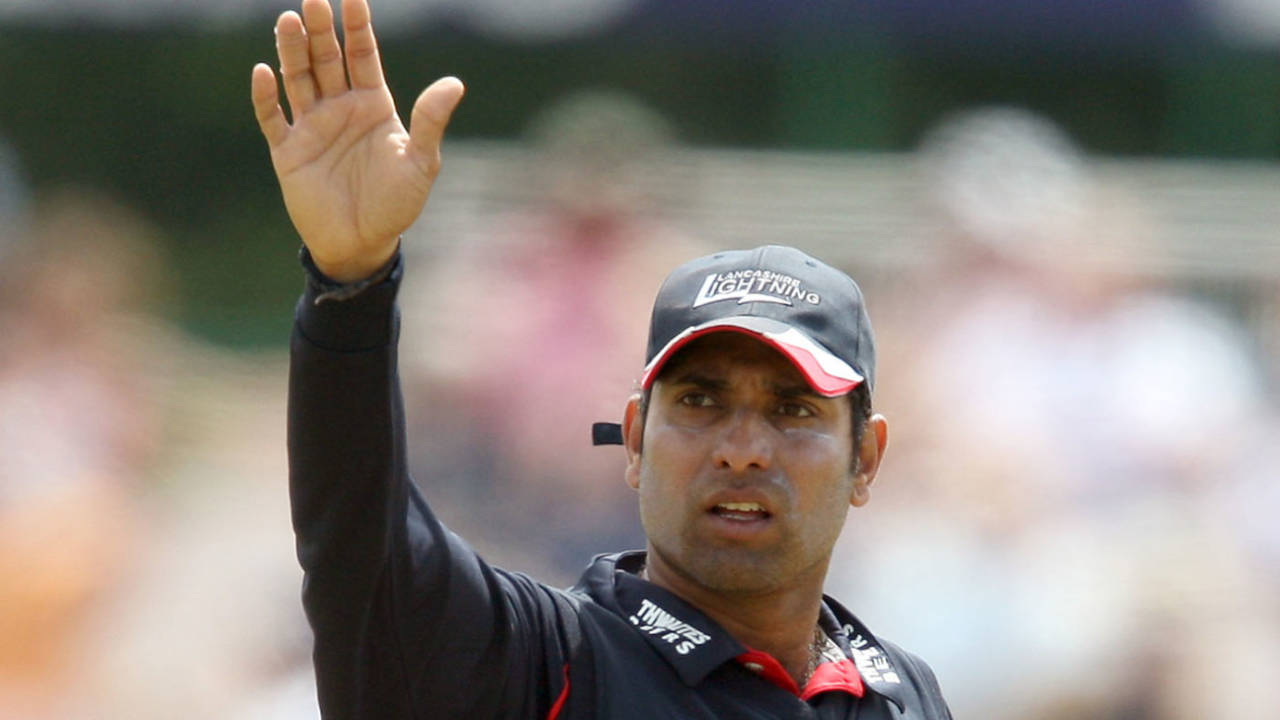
[744, 512]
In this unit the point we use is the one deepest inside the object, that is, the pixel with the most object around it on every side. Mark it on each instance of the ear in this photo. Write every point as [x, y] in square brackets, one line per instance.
[875, 438]
[633, 439]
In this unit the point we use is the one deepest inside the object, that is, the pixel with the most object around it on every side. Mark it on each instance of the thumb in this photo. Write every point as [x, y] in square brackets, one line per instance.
[431, 113]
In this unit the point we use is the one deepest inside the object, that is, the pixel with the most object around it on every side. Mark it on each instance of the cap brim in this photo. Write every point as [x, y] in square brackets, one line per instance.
[827, 374]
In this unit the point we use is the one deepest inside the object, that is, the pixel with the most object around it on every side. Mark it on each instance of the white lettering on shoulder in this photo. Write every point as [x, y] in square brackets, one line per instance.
[653, 620]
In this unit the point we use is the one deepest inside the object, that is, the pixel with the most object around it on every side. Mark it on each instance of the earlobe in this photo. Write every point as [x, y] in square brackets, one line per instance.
[861, 491]
[633, 439]
[875, 438]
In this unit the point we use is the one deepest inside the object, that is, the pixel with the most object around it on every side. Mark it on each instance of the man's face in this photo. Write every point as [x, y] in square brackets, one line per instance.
[745, 474]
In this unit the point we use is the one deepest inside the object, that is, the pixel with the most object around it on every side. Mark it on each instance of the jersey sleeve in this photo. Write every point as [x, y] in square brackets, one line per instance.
[408, 621]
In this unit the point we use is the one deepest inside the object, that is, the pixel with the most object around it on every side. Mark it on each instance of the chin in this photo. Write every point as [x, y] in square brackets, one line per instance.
[735, 571]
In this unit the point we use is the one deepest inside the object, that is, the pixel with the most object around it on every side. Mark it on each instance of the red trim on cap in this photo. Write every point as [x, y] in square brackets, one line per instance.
[805, 362]
[564, 697]
[825, 384]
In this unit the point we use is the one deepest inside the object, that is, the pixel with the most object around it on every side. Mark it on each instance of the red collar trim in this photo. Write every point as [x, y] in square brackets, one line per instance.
[830, 675]
[837, 675]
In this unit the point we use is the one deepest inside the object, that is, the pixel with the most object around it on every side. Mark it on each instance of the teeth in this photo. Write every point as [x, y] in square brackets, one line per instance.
[741, 506]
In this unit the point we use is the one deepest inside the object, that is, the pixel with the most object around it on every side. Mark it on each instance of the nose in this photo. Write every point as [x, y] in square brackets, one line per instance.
[744, 443]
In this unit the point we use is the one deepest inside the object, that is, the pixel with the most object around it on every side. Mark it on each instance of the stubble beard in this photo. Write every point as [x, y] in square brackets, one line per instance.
[736, 571]
[727, 568]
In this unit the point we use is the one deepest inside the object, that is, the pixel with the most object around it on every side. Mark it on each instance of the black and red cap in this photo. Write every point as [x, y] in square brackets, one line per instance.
[809, 311]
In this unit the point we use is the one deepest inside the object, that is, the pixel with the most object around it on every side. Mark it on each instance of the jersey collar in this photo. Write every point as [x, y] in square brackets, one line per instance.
[687, 639]
[879, 672]
[695, 645]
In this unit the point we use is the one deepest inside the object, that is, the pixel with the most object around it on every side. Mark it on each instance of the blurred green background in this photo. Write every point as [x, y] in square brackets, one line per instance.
[158, 112]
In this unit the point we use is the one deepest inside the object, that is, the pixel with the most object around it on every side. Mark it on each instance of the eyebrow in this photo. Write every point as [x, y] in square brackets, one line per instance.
[701, 380]
[794, 391]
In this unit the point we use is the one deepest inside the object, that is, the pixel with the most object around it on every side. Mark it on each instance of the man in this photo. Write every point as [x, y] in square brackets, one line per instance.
[749, 442]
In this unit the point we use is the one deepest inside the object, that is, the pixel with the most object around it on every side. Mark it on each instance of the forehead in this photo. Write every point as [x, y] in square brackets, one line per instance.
[720, 353]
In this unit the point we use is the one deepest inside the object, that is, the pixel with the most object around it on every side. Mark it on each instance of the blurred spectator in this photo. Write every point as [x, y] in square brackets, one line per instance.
[78, 427]
[208, 624]
[146, 566]
[504, 409]
[1067, 423]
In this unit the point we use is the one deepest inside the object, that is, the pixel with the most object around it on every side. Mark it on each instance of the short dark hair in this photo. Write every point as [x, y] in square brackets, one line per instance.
[859, 404]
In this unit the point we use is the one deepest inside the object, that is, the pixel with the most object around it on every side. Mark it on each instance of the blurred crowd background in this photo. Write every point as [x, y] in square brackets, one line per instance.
[1065, 216]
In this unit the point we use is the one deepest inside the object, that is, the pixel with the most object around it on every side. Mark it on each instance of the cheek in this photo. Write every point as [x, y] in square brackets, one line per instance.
[828, 479]
[827, 493]
[670, 452]
[826, 513]
[665, 472]
[660, 507]
[822, 453]
[820, 445]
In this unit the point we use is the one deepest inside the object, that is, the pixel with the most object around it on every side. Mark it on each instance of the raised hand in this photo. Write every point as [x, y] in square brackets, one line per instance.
[352, 177]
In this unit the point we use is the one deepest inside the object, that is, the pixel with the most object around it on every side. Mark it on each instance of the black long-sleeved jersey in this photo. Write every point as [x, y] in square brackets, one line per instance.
[410, 623]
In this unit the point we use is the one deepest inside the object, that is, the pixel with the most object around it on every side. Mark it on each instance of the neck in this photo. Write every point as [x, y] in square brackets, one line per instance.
[779, 621]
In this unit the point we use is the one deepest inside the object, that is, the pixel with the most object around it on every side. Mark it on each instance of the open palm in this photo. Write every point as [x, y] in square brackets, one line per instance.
[352, 177]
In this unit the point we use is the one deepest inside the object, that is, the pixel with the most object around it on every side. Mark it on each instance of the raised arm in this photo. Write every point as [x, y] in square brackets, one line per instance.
[352, 177]
[408, 621]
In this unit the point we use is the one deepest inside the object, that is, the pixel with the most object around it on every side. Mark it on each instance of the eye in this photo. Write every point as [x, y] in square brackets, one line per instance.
[795, 409]
[697, 399]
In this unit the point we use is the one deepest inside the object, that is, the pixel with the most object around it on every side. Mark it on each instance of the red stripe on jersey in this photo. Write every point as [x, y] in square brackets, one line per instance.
[564, 696]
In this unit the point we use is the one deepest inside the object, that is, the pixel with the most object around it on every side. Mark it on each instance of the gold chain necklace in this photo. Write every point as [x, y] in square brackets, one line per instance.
[816, 648]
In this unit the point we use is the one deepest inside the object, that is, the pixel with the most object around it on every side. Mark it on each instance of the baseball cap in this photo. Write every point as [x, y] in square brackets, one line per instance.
[812, 313]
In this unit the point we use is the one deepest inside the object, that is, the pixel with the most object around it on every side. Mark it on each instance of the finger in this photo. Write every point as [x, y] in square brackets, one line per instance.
[295, 63]
[326, 55]
[363, 64]
[266, 105]
[431, 113]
